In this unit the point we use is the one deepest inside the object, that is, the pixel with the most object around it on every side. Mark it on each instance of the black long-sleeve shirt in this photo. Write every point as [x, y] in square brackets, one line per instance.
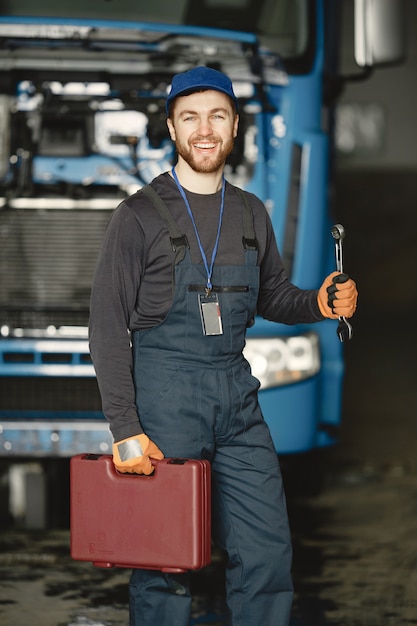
[133, 284]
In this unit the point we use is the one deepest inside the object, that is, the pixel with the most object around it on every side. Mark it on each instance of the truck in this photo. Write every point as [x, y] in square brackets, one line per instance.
[83, 125]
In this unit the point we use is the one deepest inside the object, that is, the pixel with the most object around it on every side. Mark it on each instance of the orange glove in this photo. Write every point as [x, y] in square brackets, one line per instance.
[133, 455]
[337, 296]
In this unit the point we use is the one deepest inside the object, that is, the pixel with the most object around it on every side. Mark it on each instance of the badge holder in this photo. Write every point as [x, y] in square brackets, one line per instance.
[211, 319]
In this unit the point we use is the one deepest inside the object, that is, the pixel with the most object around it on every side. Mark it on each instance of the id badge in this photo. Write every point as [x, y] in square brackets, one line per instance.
[211, 319]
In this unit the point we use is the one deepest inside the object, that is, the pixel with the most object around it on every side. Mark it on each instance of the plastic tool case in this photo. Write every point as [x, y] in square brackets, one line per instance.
[162, 521]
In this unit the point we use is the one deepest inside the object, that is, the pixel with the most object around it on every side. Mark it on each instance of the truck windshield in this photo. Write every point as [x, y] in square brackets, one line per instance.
[281, 26]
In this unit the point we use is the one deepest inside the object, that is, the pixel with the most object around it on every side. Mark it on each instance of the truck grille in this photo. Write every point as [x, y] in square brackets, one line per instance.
[34, 396]
[47, 261]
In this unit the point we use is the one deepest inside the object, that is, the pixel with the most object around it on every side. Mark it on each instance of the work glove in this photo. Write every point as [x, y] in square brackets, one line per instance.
[133, 455]
[337, 296]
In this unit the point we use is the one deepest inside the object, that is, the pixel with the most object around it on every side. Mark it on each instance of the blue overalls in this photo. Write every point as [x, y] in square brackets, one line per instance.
[196, 398]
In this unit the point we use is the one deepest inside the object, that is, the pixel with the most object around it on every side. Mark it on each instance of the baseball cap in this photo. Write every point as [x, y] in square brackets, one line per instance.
[200, 78]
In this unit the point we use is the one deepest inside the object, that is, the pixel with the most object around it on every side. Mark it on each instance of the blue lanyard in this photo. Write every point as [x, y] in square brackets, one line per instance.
[209, 270]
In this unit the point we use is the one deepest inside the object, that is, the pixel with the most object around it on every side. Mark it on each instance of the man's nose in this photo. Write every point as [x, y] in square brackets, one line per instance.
[205, 127]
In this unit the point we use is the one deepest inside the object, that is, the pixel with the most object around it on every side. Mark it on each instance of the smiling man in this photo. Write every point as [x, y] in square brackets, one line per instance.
[185, 264]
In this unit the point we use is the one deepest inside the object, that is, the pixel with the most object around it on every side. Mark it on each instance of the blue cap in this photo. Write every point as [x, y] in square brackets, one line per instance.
[197, 79]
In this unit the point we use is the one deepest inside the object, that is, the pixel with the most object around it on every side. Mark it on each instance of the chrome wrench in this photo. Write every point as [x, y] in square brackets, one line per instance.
[344, 329]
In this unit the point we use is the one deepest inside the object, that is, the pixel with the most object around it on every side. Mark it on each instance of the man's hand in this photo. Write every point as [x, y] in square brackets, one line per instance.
[133, 455]
[337, 296]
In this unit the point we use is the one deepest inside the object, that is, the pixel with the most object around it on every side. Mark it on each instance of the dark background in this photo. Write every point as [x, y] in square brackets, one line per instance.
[375, 198]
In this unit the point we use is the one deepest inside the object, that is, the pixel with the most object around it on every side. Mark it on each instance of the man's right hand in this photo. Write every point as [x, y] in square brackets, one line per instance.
[133, 455]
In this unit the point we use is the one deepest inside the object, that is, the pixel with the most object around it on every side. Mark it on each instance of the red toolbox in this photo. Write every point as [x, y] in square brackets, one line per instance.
[162, 521]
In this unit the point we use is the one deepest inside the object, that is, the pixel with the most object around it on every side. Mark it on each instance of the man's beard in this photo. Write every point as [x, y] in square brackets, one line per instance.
[202, 164]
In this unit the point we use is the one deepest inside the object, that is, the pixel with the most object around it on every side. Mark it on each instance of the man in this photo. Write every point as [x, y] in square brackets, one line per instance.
[174, 291]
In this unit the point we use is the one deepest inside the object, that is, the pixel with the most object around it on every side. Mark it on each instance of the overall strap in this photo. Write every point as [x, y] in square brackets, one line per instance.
[178, 240]
[249, 239]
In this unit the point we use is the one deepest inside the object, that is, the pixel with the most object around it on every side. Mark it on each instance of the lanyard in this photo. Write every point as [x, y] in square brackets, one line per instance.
[209, 270]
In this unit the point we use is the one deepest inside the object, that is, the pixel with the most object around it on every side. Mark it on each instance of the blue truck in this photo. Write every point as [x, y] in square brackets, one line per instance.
[82, 125]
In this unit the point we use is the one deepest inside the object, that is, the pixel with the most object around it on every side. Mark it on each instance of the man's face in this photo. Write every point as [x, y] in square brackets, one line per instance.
[203, 127]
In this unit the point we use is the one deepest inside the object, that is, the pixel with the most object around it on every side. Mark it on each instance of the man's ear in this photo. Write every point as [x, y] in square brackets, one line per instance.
[171, 129]
[235, 126]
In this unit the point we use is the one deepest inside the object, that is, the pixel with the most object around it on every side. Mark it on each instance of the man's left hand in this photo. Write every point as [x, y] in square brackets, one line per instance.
[337, 296]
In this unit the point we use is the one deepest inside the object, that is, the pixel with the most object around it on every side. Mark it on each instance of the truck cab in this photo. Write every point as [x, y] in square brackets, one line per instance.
[83, 125]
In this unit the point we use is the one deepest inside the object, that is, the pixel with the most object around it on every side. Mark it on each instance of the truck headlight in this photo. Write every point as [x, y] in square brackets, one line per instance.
[283, 360]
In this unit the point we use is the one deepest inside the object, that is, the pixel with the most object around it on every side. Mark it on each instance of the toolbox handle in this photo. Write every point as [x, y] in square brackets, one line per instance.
[109, 461]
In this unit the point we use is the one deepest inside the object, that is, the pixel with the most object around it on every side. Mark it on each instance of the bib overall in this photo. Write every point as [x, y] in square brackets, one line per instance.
[196, 398]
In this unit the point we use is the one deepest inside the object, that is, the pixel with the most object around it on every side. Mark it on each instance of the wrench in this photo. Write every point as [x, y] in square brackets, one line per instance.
[344, 329]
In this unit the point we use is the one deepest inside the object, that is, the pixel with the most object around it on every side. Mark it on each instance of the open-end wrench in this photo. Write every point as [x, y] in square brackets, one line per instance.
[344, 329]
